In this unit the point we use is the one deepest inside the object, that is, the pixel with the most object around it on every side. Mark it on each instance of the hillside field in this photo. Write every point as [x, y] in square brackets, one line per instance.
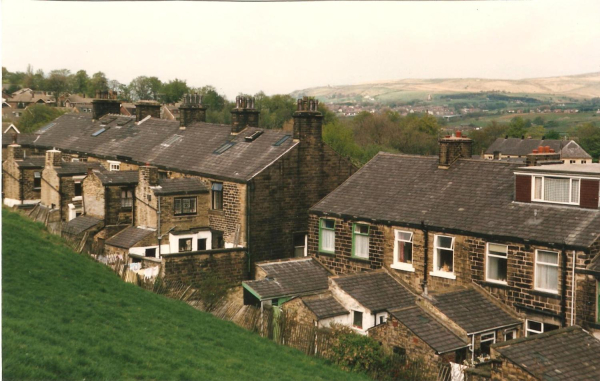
[66, 317]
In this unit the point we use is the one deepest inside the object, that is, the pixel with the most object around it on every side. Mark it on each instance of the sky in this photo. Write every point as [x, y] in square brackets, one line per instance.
[282, 47]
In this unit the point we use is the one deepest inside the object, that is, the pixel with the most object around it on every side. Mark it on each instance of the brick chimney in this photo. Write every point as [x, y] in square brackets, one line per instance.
[148, 175]
[106, 103]
[145, 108]
[53, 158]
[191, 110]
[244, 114]
[308, 121]
[453, 148]
[541, 156]
[15, 152]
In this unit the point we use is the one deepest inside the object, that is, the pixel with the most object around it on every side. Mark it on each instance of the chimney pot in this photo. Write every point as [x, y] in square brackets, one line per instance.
[458, 134]
[535, 151]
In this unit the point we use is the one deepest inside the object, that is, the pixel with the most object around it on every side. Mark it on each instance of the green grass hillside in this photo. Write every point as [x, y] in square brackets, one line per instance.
[66, 317]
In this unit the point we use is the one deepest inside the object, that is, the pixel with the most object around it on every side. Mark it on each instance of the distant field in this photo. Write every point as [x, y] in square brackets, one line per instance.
[66, 317]
[565, 121]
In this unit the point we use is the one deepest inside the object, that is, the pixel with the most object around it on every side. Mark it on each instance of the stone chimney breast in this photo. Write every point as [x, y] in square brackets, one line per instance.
[15, 151]
[244, 114]
[53, 158]
[191, 110]
[453, 148]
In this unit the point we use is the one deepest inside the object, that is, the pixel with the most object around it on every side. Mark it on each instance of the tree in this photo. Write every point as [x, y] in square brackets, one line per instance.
[536, 132]
[517, 127]
[80, 82]
[589, 138]
[99, 82]
[58, 82]
[174, 91]
[36, 116]
[539, 121]
[552, 134]
[140, 88]
[156, 86]
[484, 137]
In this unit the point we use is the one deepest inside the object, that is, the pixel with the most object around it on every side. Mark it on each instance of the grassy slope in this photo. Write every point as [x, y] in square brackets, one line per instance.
[67, 317]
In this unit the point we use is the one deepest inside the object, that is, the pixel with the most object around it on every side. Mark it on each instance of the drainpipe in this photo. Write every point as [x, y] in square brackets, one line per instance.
[563, 289]
[21, 187]
[133, 201]
[158, 223]
[60, 213]
[106, 198]
[248, 227]
[426, 256]
[573, 283]
[472, 348]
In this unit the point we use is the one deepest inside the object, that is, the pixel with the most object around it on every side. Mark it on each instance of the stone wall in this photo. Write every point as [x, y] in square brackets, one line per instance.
[93, 197]
[298, 312]
[50, 188]
[229, 264]
[11, 179]
[168, 218]
[505, 370]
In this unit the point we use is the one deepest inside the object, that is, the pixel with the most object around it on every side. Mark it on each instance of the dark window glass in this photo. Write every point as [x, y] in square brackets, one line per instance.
[77, 189]
[358, 319]
[217, 196]
[37, 179]
[185, 244]
[151, 253]
[202, 244]
[184, 205]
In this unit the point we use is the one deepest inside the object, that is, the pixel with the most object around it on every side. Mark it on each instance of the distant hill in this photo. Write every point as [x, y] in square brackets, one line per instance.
[574, 86]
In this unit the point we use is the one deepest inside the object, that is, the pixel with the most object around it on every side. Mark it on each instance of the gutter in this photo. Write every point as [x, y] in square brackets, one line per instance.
[573, 292]
[426, 255]
[563, 289]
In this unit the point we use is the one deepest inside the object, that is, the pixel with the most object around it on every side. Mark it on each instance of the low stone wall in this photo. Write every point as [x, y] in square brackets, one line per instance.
[230, 264]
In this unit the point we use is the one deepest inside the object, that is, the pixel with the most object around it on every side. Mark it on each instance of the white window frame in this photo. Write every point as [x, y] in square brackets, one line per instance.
[527, 330]
[114, 165]
[543, 179]
[359, 234]
[487, 262]
[362, 323]
[535, 271]
[513, 331]
[322, 229]
[436, 272]
[396, 262]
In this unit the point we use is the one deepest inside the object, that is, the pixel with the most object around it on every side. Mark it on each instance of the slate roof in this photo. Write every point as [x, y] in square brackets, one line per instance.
[375, 290]
[290, 278]
[179, 186]
[472, 311]
[472, 196]
[75, 168]
[522, 147]
[118, 177]
[574, 150]
[595, 264]
[325, 307]
[565, 354]
[128, 237]
[22, 139]
[80, 224]
[428, 329]
[147, 142]
[32, 162]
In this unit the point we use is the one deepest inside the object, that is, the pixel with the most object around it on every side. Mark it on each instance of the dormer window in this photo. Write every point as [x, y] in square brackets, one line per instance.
[562, 190]
[114, 165]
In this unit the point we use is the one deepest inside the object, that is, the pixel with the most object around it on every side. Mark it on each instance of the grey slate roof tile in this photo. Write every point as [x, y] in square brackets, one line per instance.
[425, 326]
[32, 162]
[573, 150]
[118, 177]
[325, 307]
[473, 311]
[146, 143]
[23, 139]
[128, 237]
[180, 186]
[80, 224]
[522, 147]
[564, 354]
[290, 278]
[75, 168]
[473, 196]
[375, 290]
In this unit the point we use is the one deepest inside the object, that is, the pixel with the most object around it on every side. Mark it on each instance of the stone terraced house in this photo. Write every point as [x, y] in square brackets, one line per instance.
[528, 236]
[513, 148]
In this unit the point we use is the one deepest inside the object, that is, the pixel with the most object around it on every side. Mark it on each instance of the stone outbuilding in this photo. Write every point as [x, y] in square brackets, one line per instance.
[22, 177]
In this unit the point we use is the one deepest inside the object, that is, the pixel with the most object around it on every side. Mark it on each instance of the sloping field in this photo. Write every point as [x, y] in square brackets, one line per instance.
[66, 317]
[577, 86]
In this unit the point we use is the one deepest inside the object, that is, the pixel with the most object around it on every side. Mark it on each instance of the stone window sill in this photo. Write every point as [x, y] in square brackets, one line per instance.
[218, 212]
[358, 259]
[443, 274]
[495, 284]
[547, 294]
[403, 267]
[326, 253]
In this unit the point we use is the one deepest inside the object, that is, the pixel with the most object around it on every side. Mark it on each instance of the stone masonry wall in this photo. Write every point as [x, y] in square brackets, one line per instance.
[11, 179]
[93, 197]
[50, 188]
[230, 266]
[299, 313]
[30, 192]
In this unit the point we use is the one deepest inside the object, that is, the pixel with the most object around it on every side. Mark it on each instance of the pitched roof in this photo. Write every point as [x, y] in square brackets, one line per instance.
[290, 278]
[573, 150]
[32, 162]
[325, 307]
[187, 185]
[117, 177]
[472, 196]
[80, 224]
[128, 237]
[426, 327]
[375, 290]
[522, 147]
[202, 148]
[564, 354]
[75, 168]
[22, 139]
[473, 311]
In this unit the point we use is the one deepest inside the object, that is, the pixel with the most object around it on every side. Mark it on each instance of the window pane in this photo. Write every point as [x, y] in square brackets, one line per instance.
[328, 240]
[405, 236]
[498, 249]
[556, 190]
[404, 252]
[358, 317]
[534, 325]
[361, 248]
[445, 242]
[177, 205]
[497, 268]
[328, 224]
[537, 194]
[361, 229]
[546, 277]
[575, 191]
[547, 257]
[445, 260]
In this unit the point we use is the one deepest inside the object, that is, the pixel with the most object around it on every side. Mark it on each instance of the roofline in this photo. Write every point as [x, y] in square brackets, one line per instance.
[447, 230]
[492, 329]
[263, 298]
[537, 337]
[274, 161]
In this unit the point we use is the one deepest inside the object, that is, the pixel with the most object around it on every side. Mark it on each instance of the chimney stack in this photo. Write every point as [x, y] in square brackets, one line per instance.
[53, 158]
[243, 115]
[308, 121]
[149, 175]
[145, 108]
[453, 148]
[105, 103]
[191, 110]
[15, 152]
[541, 156]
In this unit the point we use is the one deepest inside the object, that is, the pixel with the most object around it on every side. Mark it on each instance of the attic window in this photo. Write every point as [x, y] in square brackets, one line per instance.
[282, 140]
[562, 190]
[46, 127]
[99, 132]
[224, 148]
[171, 140]
[107, 120]
[254, 136]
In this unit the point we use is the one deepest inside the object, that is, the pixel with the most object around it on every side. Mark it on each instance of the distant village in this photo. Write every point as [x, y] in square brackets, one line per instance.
[487, 264]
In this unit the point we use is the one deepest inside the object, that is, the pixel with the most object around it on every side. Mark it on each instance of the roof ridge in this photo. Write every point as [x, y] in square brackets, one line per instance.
[538, 336]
